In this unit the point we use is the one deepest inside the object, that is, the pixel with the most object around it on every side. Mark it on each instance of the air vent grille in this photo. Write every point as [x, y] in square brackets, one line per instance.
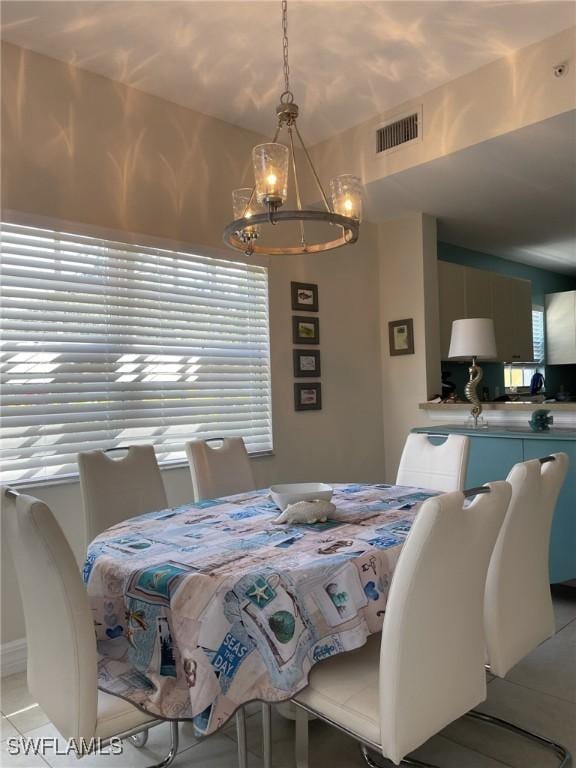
[397, 133]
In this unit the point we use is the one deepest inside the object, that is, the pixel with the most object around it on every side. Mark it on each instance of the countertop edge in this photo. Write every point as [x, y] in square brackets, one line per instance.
[505, 430]
[509, 406]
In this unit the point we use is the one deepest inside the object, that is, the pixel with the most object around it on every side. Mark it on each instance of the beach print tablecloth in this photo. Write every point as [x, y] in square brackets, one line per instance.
[207, 606]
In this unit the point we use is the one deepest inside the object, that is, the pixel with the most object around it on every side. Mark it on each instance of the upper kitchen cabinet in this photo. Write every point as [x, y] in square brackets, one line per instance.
[561, 328]
[469, 292]
[523, 348]
[503, 314]
[452, 287]
[512, 313]
[478, 294]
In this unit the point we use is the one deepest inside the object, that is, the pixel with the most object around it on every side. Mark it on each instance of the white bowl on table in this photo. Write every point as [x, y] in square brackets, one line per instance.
[289, 493]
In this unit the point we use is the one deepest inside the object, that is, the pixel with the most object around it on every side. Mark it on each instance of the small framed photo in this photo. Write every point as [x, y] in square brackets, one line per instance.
[306, 363]
[305, 297]
[401, 336]
[305, 330]
[308, 397]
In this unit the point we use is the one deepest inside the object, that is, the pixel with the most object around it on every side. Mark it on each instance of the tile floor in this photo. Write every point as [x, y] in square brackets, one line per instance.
[539, 693]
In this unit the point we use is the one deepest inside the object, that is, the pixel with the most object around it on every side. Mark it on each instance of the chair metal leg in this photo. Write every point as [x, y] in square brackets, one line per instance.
[139, 739]
[301, 741]
[241, 736]
[169, 759]
[410, 761]
[558, 749]
[267, 734]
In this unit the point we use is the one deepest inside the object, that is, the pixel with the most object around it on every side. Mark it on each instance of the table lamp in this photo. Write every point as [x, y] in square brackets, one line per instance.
[475, 338]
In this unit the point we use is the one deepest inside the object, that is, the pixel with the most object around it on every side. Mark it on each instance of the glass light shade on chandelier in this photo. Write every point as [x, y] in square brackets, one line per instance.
[346, 194]
[245, 205]
[275, 166]
[270, 163]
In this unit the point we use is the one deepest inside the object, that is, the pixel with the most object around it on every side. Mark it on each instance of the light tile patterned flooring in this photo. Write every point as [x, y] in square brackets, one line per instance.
[539, 693]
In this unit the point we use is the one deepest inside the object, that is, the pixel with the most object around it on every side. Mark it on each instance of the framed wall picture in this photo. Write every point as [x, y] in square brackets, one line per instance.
[305, 297]
[308, 397]
[401, 337]
[305, 330]
[306, 363]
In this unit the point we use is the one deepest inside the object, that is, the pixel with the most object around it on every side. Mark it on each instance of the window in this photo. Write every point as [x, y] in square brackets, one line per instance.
[520, 376]
[108, 344]
[538, 334]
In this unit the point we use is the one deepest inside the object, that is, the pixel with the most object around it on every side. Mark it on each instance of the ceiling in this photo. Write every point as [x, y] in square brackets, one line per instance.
[513, 196]
[349, 60]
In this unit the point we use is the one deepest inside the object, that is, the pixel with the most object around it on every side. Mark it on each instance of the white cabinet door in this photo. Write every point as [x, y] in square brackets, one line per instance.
[452, 300]
[503, 315]
[478, 284]
[561, 328]
[523, 347]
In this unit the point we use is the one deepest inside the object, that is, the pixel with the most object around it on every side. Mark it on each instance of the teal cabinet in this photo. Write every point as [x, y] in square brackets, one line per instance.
[491, 459]
[494, 452]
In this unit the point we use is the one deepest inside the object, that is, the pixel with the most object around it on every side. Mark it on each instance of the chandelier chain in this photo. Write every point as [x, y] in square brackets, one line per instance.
[286, 66]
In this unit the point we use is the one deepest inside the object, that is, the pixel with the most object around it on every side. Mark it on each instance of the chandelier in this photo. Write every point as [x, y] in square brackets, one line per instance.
[259, 207]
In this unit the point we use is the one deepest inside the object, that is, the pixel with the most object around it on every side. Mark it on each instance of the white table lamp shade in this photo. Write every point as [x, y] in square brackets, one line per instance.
[473, 337]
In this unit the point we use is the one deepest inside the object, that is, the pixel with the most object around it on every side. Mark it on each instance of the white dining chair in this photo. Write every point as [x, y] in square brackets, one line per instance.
[219, 467]
[518, 609]
[116, 489]
[438, 467]
[427, 667]
[62, 655]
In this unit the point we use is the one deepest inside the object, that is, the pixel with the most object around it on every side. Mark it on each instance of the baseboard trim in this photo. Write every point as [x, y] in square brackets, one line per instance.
[13, 657]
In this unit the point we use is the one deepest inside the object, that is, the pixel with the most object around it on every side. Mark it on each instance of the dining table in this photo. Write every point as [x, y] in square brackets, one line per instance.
[205, 607]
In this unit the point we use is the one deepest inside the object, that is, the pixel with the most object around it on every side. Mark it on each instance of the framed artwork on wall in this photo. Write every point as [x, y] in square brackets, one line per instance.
[308, 397]
[306, 363]
[304, 297]
[401, 337]
[305, 330]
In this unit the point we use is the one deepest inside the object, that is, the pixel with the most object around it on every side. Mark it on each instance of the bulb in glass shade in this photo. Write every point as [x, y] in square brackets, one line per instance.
[245, 205]
[271, 173]
[346, 193]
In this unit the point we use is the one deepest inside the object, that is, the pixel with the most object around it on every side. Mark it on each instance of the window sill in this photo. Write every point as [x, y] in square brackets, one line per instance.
[74, 478]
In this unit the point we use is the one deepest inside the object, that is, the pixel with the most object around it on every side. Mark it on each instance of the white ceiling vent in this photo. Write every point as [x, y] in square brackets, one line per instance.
[399, 131]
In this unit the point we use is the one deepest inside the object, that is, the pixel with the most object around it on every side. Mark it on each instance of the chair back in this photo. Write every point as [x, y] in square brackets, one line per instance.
[518, 606]
[62, 656]
[219, 470]
[114, 490]
[432, 647]
[438, 467]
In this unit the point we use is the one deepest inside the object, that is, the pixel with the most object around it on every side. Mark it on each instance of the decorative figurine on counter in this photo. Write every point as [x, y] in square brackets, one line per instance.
[541, 420]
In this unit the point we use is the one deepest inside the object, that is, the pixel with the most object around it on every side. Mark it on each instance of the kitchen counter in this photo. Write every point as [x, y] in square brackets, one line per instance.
[513, 431]
[511, 406]
[500, 414]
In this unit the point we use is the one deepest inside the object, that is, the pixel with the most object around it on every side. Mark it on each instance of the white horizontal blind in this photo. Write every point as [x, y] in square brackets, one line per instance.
[538, 334]
[107, 344]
